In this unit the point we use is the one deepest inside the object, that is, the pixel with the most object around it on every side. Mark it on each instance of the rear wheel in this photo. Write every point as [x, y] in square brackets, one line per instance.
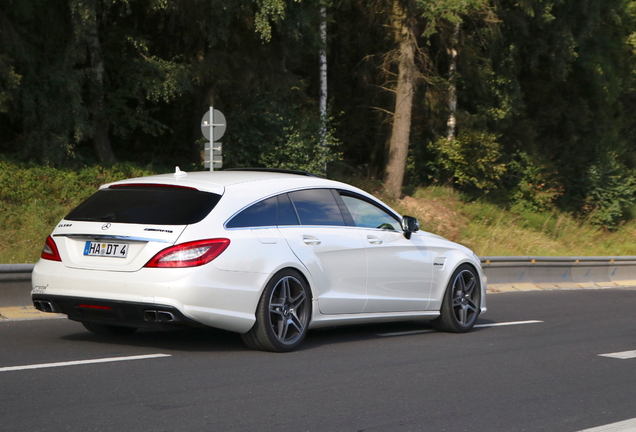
[282, 315]
[460, 307]
[111, 330]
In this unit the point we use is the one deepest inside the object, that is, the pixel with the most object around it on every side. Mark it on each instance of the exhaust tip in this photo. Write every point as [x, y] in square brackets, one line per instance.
[158, 316]
[43, 306]
[165, 316]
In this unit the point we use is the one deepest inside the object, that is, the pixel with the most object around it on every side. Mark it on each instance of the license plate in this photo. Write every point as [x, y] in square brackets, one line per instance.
[115, 250]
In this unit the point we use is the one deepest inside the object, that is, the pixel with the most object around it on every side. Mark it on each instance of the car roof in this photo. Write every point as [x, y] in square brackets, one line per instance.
[213, 181]
[244, 187]
[218, 181]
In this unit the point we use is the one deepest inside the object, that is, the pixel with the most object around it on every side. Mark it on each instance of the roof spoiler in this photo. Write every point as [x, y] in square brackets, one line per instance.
[276, 170]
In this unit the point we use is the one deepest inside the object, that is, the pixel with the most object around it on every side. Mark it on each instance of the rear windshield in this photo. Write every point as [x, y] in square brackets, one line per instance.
[150, 205]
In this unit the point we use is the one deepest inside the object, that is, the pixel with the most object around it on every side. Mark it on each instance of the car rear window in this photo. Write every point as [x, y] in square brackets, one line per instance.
[150, 205]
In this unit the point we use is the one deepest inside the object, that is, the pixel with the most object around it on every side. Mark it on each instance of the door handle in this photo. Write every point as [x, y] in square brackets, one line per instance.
[311, 240]
[374, 240]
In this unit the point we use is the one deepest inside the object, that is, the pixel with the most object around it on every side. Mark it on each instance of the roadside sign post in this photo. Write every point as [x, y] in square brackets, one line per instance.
[213, 127]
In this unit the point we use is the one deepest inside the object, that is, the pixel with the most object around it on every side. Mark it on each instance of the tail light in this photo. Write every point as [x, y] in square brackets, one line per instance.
[50, 252]
[190, 254]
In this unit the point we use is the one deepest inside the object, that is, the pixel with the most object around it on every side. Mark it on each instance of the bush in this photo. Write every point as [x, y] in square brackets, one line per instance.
[474, 159]
[609, 193]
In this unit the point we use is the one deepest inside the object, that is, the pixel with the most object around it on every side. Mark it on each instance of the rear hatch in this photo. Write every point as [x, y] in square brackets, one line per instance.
[120, 228]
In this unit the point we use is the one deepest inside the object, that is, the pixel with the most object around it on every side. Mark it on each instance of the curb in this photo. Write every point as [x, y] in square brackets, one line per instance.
[25, 313]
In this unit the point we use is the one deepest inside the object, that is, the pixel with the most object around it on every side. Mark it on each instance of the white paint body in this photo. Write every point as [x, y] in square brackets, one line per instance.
[356, 275]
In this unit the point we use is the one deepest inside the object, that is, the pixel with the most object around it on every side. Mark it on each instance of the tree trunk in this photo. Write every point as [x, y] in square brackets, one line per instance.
[101, 141]
[403, 26]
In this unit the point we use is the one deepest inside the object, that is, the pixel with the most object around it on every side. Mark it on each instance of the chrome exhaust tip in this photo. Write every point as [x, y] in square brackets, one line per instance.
[43, 306]
[158, 316]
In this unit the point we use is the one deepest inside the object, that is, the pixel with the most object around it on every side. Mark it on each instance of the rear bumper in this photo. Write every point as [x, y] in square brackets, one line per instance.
[206, 295]
[110, 312]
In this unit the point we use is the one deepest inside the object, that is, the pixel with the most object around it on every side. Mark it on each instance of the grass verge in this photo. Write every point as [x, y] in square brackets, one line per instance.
[33, 199]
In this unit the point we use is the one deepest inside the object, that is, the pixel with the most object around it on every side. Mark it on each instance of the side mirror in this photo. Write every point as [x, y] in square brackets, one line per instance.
[409, 225]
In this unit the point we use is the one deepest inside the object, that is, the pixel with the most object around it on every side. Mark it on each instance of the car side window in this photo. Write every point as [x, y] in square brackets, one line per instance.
[260, 214]
[286, 212]
[317, 207]
[367, 215]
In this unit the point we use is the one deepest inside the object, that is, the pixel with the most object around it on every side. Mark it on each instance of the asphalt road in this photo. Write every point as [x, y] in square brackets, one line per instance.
[541, 376]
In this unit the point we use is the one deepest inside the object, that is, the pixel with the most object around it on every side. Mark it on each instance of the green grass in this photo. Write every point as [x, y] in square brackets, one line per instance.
[33, 199]
[493, 231]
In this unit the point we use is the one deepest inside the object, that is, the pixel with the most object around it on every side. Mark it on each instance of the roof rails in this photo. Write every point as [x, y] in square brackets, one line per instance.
[276, 170]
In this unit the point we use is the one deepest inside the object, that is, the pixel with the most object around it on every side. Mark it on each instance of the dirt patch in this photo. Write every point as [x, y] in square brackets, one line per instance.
[436, 216]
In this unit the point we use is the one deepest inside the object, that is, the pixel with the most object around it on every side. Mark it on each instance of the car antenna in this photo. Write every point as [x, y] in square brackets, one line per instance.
[178, 173]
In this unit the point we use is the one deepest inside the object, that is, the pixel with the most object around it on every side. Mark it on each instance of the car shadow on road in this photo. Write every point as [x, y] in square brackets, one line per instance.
[188, 339]
[215, 340]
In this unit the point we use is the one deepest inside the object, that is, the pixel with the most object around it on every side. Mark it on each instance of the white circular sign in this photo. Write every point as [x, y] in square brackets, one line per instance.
[218, 127]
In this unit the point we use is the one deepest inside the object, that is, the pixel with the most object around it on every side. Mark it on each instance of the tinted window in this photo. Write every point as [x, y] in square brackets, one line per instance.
[317, 207]
[368, 215]
[286, 213]
[150, 205]
[259, 214]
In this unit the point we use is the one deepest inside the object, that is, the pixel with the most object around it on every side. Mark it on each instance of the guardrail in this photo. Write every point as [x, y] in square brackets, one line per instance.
[541, 272]
[514, 273]
[15, 284]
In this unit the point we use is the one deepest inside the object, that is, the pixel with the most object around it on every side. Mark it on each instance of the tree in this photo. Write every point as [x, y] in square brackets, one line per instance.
[431, 17]
[403, 20]
[86, 16]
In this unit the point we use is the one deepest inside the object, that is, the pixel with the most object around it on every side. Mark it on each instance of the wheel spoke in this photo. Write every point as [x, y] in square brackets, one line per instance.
[282, 329]
[295, 321]
[462, 282]
[470, 287]
[276, 306]
[297, 301]
[277, 311]
[285, 290]
[470, 304]
[462, 315]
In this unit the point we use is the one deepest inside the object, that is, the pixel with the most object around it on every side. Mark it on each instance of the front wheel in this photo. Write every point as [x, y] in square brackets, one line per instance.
[461, 304]
[282, 315]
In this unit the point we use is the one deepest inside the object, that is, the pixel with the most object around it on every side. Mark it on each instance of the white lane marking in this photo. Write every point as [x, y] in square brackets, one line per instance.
[508, 323]
[478, 325]
[623, 355]
[624, 426]
[82, 362]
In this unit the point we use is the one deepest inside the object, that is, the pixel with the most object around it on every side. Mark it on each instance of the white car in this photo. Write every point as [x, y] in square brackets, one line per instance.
[268, 254]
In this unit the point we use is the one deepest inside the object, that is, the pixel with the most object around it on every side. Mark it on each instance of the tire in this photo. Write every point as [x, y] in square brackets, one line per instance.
[282, 315]
[461, 304]
[110, 330]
